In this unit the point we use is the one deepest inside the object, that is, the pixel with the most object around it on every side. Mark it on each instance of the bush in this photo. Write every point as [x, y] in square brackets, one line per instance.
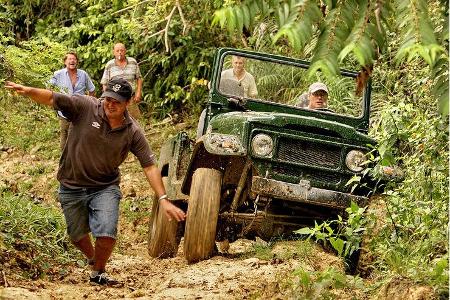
[32, 236]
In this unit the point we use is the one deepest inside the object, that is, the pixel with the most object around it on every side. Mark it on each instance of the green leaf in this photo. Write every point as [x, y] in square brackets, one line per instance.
[338, 245]
[440, 267]
[305, 278]
[219, 18]
[231, 20]
[354, 179]
[305, 231]
[280, 17]
[444, 104]
[239, 19]
[247, 19]
[354, 207]
[344, 52]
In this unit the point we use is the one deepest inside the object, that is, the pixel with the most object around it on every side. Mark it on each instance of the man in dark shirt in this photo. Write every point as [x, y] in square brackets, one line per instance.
[102, 135]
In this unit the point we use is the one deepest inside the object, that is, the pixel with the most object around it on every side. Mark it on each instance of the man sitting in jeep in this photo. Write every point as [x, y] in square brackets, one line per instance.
[316, 98]
[239, 74]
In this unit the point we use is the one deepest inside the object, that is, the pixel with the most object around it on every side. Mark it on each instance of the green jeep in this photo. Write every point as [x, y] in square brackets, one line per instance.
[263, 164]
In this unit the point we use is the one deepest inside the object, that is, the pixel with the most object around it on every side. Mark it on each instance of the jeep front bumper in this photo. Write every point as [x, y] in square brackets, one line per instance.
[304, 193]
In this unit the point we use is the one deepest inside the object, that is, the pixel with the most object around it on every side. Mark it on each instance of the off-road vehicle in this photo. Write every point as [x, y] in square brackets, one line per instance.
[263, 165]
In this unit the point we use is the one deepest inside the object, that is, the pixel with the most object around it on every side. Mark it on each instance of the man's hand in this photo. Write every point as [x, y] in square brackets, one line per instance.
[137, 98]
[172, 211]
[20, 89]
[41, 96]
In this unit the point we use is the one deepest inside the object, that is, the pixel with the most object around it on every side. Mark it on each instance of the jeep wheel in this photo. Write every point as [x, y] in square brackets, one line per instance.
[163, 242]
[202, 214]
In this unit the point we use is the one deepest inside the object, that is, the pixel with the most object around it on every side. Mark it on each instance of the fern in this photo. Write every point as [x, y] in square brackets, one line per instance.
[340, 31]
[419, 40]
[241, 16]
[299, 26]
[358, 41]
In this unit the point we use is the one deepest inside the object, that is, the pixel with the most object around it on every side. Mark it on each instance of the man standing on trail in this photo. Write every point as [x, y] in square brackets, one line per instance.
[71, 80]
[102, 134]
[126, 68]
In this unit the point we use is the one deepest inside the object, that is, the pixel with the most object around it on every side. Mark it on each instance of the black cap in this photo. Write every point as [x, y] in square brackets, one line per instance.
[118, 89]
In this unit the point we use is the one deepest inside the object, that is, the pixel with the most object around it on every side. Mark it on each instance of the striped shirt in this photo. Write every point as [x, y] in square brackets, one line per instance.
[130, 72]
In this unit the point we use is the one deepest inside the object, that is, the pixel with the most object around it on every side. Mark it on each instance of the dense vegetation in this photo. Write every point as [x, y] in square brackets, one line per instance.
[174, 42]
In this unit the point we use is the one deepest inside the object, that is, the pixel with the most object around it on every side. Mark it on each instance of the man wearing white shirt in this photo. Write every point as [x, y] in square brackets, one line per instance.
[238, 73]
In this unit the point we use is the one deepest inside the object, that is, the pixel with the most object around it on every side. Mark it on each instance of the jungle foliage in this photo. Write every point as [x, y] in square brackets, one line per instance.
[402, 46]
[166, 37]
[339, 31]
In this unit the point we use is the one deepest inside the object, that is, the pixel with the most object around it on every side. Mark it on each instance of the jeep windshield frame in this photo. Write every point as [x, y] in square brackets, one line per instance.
[221, 102]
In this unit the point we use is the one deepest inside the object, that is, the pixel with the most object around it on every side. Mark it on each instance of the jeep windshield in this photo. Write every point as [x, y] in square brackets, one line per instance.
[279, 81]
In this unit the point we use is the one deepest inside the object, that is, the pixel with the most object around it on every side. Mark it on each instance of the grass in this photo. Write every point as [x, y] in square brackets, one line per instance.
[28, 127]
[32, 236]
[281, 249]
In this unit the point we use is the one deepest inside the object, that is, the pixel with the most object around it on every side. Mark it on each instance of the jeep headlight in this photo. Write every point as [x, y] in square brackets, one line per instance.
[355, 160]
[262, 145]
[223, 144]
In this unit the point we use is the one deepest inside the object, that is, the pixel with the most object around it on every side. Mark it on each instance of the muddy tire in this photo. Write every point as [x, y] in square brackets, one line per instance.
[202, 214]
[163, 241]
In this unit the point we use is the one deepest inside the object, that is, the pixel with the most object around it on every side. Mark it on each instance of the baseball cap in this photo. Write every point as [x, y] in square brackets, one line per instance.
[317, 86]
[118, 89]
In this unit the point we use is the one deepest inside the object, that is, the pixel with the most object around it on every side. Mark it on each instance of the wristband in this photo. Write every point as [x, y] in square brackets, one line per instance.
[163, 197]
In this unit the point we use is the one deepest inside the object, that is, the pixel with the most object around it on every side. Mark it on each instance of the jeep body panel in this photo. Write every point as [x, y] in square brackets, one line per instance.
[173, 162]
[235, 129]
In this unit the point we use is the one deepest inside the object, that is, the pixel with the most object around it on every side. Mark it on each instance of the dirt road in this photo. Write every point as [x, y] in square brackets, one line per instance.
[237, 274]
[225, 276]
[249, 270]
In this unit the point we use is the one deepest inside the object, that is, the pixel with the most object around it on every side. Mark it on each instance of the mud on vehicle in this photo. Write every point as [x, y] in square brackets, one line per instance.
[263, 165]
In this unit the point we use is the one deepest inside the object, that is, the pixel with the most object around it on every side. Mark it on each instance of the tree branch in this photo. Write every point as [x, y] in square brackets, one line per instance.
[185, 24]
[157, 33]
[166, 29]
[129, 7]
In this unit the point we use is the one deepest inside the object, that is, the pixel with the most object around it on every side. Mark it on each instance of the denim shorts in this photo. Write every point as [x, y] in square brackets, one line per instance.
[90, 210]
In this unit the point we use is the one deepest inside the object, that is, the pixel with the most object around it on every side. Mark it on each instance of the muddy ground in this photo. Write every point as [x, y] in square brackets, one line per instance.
[240, 273]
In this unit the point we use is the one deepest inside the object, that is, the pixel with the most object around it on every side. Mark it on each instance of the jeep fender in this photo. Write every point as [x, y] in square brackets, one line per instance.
[214, 151]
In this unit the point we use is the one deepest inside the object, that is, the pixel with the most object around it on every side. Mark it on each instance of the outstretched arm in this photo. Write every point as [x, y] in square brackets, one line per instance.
[38, 95]
[154, 178]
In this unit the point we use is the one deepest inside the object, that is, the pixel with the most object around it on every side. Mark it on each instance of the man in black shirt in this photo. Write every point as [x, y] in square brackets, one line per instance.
[102, 135]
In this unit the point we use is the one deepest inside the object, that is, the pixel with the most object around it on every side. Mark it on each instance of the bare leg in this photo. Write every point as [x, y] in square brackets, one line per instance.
[85, 245]
[103, 249]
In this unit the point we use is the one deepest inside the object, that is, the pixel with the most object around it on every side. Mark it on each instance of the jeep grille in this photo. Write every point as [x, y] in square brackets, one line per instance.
[309, 153]
[308, 174]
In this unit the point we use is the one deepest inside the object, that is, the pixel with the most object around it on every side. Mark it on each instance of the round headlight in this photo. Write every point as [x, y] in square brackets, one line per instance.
[262, 145]
[355, 160]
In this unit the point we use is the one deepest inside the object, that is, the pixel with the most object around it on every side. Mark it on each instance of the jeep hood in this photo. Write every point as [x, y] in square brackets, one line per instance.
[238, 123]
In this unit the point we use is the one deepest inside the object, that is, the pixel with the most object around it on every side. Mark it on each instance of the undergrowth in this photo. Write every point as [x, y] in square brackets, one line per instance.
[32, 237]
[29, 127]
